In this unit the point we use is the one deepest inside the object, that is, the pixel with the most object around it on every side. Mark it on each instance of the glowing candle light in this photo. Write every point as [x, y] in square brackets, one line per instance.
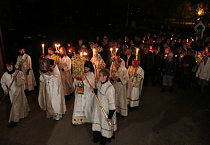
[80, 53]
[42, 48]
[111, 50]
[116, 51]
[137, 52]
[56, 47]
[84, 53]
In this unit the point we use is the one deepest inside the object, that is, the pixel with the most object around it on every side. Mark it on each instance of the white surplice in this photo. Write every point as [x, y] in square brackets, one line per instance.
[106, 96]
[20, 107]
[120, 89]
[134, 85]
[83, 104]
[51, 96]
[24, 63]
[65, 64]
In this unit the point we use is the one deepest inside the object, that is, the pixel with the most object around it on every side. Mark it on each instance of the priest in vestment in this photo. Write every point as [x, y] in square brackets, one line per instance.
[136, 76]
[64, 65]
[20, 107]
[51, 96]
[84, 100]
[24, 64]
[119, 78]
[98, 63]
[51, 54]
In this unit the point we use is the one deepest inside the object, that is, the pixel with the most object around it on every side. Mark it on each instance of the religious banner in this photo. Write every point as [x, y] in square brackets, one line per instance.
[78, 71]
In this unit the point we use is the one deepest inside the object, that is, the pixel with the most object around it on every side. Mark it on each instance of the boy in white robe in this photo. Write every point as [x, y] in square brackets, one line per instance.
[24, 64]
[136, 76]
[103, 132]
[83, 104]
[20, 107]
[51, 96]
[119, 79]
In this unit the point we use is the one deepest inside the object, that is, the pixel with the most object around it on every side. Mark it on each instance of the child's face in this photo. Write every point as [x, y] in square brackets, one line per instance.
[9, 67]
[102, 78]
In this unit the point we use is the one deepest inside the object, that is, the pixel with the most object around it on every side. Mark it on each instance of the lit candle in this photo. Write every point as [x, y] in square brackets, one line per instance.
[111, 50]
[187, 40]
[171, 38]
[80, 53]
[56, 47]
[84, 53]
[116, 51]
[42, 48]
[137, 51]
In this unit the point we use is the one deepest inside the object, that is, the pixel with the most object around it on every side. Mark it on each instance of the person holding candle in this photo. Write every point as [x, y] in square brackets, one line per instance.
[24, 64]
[64, 65]
[119, 79]
[135, 83]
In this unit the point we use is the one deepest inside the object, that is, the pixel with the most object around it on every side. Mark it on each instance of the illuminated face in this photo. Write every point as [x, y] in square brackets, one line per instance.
[9, 67]
[167, 50]
[61, 52]
[102, 78]
[86, 69]
[22, 51]
[50, 52]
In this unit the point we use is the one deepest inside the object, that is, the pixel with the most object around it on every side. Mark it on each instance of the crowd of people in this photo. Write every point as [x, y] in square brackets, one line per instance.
[114, 75]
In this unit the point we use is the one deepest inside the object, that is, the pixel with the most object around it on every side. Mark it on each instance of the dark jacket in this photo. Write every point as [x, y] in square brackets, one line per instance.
[169, 67]
[147, 61]
[132, 57]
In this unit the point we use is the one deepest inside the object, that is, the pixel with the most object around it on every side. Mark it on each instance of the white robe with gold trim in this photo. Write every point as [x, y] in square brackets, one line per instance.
[134, 85]
[20, 107]
[83, 104]
[24, 63]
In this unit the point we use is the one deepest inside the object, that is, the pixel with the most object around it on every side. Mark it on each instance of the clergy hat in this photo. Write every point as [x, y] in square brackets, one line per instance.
[51, 61]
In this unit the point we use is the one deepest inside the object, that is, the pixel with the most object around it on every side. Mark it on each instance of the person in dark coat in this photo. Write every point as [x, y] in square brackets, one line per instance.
[147, 63]
[187, 64]
[168, 73]
[128, 57]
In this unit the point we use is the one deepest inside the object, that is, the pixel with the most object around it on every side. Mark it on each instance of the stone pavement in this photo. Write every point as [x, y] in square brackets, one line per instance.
[178, 118]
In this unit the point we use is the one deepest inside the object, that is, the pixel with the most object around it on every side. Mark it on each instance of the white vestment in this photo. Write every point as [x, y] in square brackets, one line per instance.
[83, 104]
[65, 65]
[120, 89]
[20, 107]
[134, 85]
[106, 96]
[51, 96]
[24, 63]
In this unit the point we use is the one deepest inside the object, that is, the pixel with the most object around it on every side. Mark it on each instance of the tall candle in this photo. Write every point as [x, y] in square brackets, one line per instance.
[56, 47]
[137, 52]
[42, 48]
[111, 50]
[116, 51]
